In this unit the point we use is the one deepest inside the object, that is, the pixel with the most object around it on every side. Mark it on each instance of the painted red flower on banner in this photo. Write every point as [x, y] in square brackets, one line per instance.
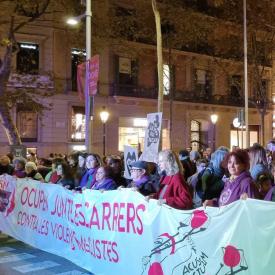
[231, 256]
[155, 269]
[199, 219]
[234, 259]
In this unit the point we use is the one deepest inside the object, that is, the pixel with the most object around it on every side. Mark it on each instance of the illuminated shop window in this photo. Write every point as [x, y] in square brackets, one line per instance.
[132, 133]
[78, 124]
[27, 59]
[238, 137]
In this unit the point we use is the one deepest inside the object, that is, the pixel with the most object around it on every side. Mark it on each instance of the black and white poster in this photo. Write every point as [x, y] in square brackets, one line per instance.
[130, 155]
[152, 137]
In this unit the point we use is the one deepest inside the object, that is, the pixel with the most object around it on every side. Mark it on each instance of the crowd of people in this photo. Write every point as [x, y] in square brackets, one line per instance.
[184, 180]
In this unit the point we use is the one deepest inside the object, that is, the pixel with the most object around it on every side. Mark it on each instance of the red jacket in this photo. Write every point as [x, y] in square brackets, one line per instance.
[177, 194]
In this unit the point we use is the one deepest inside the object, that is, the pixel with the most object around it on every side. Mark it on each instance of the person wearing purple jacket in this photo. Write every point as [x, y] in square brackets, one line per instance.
[93, 161]
[240, 183]
[103, 180]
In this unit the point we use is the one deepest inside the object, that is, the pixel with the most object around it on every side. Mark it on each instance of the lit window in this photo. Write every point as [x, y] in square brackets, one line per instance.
[78, 124]
[166, 79]
[27, 59]
[195, 134]
[78, 56]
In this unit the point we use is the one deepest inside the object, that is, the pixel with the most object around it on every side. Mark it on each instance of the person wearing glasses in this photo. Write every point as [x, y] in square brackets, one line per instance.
[140, 178]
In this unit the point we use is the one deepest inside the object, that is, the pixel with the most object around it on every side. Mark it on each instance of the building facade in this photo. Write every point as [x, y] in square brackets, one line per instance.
[194, 85]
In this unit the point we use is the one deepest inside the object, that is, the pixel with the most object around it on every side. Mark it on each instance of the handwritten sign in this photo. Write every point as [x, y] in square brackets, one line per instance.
[152, 137]
[119, 231]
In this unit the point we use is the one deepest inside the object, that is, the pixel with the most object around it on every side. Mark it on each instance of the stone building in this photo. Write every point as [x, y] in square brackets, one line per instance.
[128, 90]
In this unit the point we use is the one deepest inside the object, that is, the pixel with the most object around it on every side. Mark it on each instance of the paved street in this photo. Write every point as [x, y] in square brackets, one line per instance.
[18, 258]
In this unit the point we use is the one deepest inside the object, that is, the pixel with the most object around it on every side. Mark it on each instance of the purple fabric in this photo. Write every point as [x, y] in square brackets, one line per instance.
[19, 173]
[233, 190]
[88, 178]
[141, 181]
[269, 195]
[107, 184]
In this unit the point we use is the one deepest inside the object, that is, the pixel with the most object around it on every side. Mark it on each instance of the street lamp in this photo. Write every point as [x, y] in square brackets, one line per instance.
[214, 119]
[104, 115]
[237, 124]
[89, 100]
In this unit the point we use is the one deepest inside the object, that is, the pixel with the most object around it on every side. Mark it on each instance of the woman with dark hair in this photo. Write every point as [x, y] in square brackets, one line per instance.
[240, 183]
[19, 167]
[103, 179]
[81, 169]
[63, 170]
[93, 161]
[73, 161]
[52, 176]
[5, 166]
[173, 189]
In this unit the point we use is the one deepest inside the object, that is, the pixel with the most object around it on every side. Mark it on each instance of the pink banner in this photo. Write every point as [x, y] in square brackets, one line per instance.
[93, 74]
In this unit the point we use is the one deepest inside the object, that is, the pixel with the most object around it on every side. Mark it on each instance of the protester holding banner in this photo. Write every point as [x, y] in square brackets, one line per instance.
[140, 178]
[240, 183]
[19, 167]
[52, 176]
[116, 166]
[103, 179]
[31, 171]
[81, 168]
[66, 177]
[173, 189]
[93, 161]
[5, 166]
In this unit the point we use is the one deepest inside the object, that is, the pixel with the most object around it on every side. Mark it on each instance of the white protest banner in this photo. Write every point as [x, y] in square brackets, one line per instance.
[118, 232]
[130, 155]
[152, 137]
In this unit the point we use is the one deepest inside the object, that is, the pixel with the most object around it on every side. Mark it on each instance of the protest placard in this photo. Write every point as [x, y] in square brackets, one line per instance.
[119, 232]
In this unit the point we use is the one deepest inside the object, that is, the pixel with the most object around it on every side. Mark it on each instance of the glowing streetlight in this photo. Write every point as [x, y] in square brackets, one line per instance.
[104, 116]
[214, 119]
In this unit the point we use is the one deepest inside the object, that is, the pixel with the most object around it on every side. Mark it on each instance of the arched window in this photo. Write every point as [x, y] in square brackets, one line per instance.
[195, 137]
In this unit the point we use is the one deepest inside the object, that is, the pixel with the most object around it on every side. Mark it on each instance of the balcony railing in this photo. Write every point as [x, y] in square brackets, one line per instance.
[133, 91]
[183, 96]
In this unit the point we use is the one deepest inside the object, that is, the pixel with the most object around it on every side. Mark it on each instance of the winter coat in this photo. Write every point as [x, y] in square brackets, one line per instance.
[212, 183]
[66, 182]
[270, 196]
[145, 186]
[106, 184]
[177, 194]
[233, 190]
[88, 178]
[6, 169]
